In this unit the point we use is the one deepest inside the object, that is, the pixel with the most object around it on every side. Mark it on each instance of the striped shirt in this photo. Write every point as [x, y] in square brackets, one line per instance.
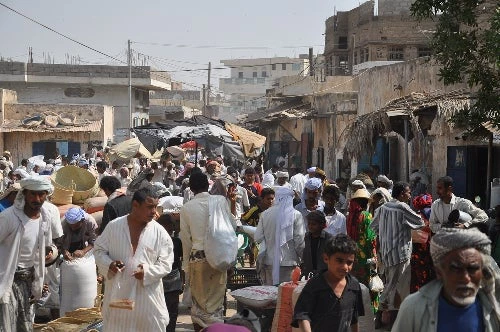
[393, 223]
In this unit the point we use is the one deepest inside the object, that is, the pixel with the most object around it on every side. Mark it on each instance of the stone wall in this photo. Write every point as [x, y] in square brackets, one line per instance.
[394, 7]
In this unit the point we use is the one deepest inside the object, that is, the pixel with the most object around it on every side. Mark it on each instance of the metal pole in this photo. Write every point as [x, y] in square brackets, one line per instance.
[195, 154]
[407, 158]
[489, 171]
[129, 60]
[204, 112]
[311, 62]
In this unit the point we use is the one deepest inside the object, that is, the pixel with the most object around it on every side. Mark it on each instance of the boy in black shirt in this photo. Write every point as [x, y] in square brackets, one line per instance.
[332, 300]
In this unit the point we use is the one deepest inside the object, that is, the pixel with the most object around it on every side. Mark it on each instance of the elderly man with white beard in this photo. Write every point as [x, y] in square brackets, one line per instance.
[465, 296]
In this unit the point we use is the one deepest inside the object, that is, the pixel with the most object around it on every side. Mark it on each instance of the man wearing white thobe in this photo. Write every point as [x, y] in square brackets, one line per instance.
[281, 228]
[26, 229]
[137, 247]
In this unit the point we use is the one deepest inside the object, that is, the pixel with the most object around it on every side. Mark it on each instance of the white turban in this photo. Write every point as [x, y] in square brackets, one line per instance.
[268, 180]
[281, 174]
[313, 184]
[384, 179]
[37, 183]
[21, 172]
[33, 183]
[449, 239]
[311, 170]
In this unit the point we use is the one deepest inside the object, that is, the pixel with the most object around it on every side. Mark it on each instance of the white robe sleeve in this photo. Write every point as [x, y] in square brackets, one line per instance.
[101, 253]
[155, 272]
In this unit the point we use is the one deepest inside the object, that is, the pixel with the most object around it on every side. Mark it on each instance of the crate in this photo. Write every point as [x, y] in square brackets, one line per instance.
[243, 277]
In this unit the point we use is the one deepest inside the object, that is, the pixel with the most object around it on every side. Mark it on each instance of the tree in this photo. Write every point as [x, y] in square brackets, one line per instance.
[467, 45]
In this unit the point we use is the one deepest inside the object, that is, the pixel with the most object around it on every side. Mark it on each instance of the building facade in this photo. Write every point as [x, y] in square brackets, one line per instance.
[89, 84]
[363, 38]
[250, 78]
[90, 125]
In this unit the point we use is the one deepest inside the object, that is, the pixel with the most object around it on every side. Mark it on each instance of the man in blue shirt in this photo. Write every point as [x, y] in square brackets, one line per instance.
[8, 196]
[464, 297]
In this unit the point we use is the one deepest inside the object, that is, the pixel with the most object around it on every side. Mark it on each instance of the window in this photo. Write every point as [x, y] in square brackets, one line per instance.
[296, 66]
[254, 74]
[424, 51]
[273, 66]
[264, 74]
[355, 56]
[343, 43]
[240, 74]
[396, 53]
[366, 55]
[283, 66]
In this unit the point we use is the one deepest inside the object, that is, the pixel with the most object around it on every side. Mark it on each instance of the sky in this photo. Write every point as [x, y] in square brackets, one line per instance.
[191, 33]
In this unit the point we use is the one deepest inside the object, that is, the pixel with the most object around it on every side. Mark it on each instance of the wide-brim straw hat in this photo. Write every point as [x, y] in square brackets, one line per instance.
[361, 193]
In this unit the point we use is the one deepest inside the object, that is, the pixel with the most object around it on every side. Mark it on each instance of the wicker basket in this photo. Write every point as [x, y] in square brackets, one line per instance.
[82, 181]
[62, 196]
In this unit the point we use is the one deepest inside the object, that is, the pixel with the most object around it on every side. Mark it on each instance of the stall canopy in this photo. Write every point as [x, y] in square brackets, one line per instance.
[209, 133]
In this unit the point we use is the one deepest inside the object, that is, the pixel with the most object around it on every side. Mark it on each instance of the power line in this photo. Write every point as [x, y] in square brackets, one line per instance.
[225, 47]
[87, 46]
[59, 33]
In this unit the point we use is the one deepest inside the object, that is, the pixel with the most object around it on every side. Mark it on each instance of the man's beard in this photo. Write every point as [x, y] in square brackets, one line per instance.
[469, 292]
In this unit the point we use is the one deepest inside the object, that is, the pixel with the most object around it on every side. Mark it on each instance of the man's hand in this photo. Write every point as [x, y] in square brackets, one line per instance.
[116, 266]
[67, 256]
[139, 273]
[78, 253]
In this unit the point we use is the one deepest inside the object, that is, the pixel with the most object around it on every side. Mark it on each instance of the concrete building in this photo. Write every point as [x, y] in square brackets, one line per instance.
[89, 84]
[250, 78]
[362, 38]
[92, 126]
[306, 130]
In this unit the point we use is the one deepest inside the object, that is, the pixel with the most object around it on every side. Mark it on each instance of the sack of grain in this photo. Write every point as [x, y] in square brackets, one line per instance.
[94, 204]
[78, 283]
[256, 296]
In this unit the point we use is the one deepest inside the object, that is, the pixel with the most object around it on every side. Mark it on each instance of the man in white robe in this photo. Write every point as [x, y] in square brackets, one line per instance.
[26, 229]
[137, 251]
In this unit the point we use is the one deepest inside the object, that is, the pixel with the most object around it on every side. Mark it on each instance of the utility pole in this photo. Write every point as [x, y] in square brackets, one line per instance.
[311, 63]
[204, 101]
[129, 60]
[208, 88]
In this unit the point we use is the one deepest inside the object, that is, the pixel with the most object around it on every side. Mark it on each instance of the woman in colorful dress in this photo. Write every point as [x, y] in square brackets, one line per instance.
[422, 270]
[358, 229]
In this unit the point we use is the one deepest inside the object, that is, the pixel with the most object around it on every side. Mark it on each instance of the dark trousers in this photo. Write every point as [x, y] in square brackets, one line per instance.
[172, 300]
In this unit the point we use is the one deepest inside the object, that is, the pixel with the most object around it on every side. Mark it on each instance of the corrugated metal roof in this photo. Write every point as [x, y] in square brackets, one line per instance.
[492, 128]
[15, 126]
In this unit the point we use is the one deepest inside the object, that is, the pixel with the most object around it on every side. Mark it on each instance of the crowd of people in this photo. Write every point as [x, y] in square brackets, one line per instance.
[150, 245]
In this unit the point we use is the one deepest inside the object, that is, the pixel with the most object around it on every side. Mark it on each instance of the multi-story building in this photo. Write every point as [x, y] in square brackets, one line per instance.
[363, 38]
[250, 78]
[90, 84]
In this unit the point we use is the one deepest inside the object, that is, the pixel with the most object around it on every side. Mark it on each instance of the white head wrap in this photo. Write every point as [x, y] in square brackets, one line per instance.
[21, 172]
[384, 179]
[282, 174]
[449, 239]
[313, 184]
[33, 183]
[284, 225]
[268, 180]
[311, 170]
[358, 183]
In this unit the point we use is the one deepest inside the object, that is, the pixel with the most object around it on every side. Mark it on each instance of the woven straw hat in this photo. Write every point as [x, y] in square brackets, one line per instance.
[361, 193]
